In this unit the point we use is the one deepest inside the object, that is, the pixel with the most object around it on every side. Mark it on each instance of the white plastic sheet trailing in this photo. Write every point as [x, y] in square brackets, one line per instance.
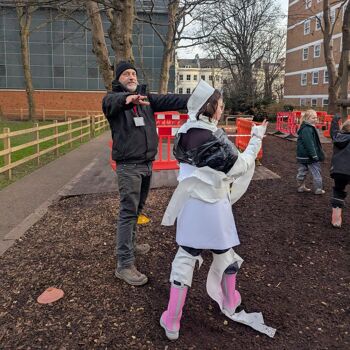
[254, 320]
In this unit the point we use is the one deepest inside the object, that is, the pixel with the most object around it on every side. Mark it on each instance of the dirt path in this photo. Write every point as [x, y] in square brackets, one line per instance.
[296, 271]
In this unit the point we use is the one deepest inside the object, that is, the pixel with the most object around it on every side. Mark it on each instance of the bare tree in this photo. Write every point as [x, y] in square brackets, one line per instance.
[181, 15]
[121, 14]
[24, 14]
[242, 34]
[99, 43]
[344, 101]
[274, 62]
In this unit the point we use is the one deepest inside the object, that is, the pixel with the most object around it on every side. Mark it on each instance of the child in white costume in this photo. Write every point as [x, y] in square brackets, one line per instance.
[212, 176]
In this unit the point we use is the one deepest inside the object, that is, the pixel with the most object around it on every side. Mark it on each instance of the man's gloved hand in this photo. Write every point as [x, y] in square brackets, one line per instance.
[260, 130]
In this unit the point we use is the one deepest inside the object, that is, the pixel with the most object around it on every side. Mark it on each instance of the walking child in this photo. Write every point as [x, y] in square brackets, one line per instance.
[309, 153]
[340, 167]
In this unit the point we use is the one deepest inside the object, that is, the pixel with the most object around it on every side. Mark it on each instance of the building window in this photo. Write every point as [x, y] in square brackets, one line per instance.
[188, 91]
[181, 77]
[332, 15]
[305, 53]
[315, 78]
[318, 19]
[303, 79]
[181, 91]
[188, 77]
[325, 77]
[210, 77]
[2, 70]
[325, 102]
[195, 77]
[58, 71]
[308, 4]
[307, 27]
[317, 50]
[303, 102]
[203, 77]
[313, 102]
[217, 78]
[92, 72]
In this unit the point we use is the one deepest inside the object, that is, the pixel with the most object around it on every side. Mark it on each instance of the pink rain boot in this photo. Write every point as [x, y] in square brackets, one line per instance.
[170, 319]
[232, 297]
[336, 217]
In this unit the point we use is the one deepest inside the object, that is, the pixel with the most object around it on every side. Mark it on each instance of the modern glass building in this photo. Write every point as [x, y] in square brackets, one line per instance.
[61, 56]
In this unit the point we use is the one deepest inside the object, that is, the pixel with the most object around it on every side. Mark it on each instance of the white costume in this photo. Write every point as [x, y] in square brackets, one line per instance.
[202, 205]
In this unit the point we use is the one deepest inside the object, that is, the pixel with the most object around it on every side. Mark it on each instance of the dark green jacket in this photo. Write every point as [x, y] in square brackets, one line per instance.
[309, 148]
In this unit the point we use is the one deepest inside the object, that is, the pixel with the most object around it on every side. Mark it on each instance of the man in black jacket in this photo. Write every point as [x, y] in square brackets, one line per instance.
[135, 142]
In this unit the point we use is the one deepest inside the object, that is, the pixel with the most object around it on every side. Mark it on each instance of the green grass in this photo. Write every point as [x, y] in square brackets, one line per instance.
[32, 165]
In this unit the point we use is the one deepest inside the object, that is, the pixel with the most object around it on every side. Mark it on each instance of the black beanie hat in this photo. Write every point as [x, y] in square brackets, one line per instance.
[121, 67]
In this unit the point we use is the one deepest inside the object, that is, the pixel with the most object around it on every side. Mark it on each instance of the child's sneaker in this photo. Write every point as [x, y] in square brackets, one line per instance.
[320, 191]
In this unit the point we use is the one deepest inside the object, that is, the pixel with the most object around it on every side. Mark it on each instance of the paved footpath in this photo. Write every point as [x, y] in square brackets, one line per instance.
[85, 170]
[26, 201]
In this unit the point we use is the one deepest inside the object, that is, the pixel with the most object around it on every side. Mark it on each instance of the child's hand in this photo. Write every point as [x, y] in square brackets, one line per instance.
[260, 130]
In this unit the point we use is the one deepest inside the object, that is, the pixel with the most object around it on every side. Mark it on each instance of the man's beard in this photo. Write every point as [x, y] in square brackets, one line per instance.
[132, 87]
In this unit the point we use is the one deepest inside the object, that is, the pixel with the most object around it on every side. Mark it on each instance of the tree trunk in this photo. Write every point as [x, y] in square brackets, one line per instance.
[169, 47]
[99, 43]
[120, 31]
[345, 66]
[333, 87]
[24, 14]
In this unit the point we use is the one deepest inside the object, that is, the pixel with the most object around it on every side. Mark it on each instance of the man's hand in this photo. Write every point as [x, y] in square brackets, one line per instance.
[259, 131]
[137, 100]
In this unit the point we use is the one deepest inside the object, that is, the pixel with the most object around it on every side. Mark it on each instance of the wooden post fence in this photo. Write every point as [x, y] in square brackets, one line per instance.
[7, 147]
[57, 152]
[37, 138]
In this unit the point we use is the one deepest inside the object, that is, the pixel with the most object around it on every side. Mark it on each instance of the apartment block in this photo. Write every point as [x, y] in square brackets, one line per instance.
[306, 75]
[188, 72]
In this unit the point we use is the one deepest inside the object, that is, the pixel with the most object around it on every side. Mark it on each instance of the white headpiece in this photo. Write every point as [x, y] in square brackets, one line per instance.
[199, 96]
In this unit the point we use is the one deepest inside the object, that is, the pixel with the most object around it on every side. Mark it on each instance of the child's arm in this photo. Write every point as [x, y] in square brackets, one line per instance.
[335, 126]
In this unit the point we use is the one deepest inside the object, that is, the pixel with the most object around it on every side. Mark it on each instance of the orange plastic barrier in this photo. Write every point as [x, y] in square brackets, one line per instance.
[169, 121]
[167, 125]
[328, 121]
[244, 127]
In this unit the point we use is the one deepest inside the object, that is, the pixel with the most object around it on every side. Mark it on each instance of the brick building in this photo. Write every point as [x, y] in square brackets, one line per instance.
[306, 75]
[64, 69]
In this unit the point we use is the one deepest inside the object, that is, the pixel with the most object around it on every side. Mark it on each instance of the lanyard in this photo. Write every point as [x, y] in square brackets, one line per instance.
[135, 110]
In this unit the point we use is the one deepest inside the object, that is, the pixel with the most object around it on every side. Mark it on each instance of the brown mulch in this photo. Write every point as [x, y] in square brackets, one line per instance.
[296, 271]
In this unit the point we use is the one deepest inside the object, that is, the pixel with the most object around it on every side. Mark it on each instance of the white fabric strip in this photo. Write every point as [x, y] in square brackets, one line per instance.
[254, 320]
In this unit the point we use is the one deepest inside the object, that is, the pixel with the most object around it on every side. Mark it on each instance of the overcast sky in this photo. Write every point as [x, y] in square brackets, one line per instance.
[192, 51]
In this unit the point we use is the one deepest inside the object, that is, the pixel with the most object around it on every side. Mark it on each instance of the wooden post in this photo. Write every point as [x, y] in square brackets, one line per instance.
[92, 126]
[56, 138]
[81, 131]
[65, 115]
[7, 157]
[70, 132]
[37, 137]
[44, 117]
[21, 114]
